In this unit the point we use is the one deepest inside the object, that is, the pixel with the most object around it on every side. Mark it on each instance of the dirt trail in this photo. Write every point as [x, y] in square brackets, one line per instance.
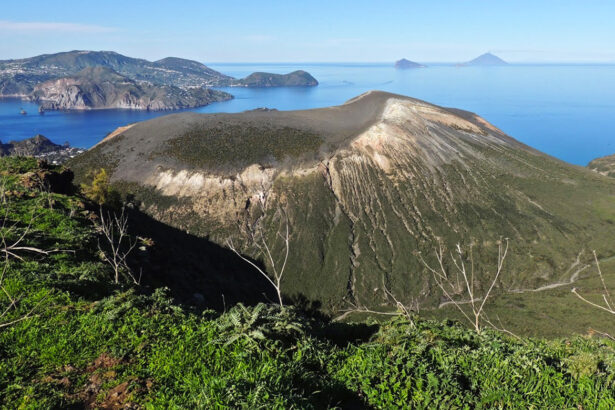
[114, 134]
[573, 278]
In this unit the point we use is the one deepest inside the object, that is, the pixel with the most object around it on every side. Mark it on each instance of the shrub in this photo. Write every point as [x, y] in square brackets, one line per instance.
[99, 190]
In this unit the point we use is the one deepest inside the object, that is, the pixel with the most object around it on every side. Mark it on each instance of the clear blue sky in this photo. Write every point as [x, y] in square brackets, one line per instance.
[316, 30]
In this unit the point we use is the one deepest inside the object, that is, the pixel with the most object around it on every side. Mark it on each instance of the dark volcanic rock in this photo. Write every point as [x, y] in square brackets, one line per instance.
[36, 145]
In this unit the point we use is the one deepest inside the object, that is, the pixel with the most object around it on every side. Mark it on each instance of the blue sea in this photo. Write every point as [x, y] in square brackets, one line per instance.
[567, 111]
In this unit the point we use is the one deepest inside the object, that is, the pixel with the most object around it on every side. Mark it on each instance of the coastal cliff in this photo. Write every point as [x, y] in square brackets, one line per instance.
[103, 88]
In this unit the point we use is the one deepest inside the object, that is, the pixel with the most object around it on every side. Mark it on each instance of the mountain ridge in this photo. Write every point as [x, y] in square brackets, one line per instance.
[18, 77]
[102, 88]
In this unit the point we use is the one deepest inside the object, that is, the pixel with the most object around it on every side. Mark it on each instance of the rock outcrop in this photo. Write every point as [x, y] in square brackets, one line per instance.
[53, 179]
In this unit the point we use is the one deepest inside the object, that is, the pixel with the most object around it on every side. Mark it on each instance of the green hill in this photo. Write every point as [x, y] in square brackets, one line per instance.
[20, 76]
[74, 339]
[102, 88]
[365, 187]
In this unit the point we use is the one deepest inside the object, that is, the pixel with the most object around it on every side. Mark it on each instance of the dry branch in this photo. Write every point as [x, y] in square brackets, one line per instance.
[12, 243]
[119, 244]
[606, 296]
[257, 239]
[451, 287]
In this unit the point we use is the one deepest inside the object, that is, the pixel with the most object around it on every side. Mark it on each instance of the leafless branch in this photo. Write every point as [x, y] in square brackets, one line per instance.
[408, 311]
[257, 239]
[606, 296]
[118, 244]
[12, 244]
[358, 308]
[603, 334]
[452, 288]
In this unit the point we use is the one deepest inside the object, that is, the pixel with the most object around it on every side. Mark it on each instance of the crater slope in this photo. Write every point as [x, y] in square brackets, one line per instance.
[365, 186]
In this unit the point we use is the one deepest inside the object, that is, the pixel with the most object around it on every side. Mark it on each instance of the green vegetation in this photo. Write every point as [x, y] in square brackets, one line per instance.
[233, 146]
[444, 365]
[89, 342]
[99, 190]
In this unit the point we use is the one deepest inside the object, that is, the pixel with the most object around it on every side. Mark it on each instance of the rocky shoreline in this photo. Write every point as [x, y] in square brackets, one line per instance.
[40, 147]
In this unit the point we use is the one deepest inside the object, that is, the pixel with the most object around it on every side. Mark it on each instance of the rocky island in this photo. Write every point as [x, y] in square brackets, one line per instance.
[297, 78]
[102, 88]
[404, 64]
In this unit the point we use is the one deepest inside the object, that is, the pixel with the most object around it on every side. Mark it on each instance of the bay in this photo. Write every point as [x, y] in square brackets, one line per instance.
[567, 111]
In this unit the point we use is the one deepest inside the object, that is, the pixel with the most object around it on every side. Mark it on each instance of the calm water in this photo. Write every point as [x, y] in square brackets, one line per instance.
[566, 111]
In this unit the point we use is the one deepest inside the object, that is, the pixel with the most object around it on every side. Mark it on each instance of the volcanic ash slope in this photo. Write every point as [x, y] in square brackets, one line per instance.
[366, 185]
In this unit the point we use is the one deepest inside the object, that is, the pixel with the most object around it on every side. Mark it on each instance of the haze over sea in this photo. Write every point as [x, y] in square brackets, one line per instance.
[567, 111]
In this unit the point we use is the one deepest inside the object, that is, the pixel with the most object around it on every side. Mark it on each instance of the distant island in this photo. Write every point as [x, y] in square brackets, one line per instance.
[186, 82]
[102, 88]
[404, 64]
[297, 78]
[486, 59]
